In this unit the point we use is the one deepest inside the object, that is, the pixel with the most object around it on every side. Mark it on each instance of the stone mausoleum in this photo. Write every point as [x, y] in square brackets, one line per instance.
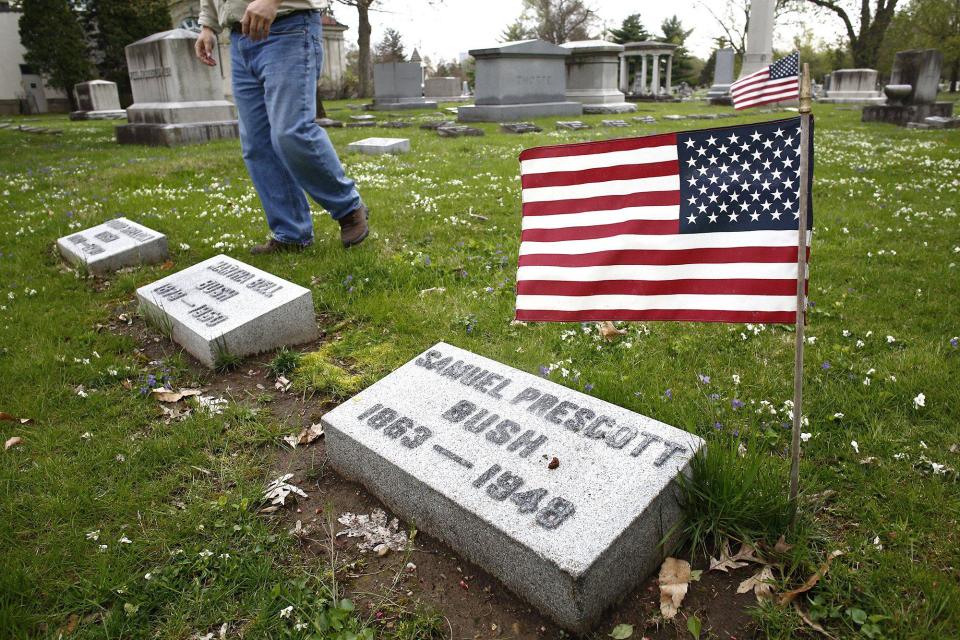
[646, 69]
[592, 76]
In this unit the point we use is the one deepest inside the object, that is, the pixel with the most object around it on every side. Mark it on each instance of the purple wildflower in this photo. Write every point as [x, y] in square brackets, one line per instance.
[588, 387]
[825, 366]
[668, 394]
[714, 396]
[703, 379]
[954, 342]
[736, 404]
[544, 370]
[718, 426]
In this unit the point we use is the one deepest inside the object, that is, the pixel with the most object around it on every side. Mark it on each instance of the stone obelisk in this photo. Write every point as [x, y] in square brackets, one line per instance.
[759, 52]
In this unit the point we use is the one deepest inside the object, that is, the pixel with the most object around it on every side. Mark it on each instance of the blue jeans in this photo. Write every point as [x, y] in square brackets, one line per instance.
[285, 150]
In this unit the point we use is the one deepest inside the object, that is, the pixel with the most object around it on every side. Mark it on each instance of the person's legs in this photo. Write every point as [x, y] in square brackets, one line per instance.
[288, 64]
[287, 210]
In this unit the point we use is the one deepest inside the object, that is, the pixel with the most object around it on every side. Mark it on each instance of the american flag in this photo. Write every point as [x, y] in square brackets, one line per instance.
[697, 226]
[776, 83]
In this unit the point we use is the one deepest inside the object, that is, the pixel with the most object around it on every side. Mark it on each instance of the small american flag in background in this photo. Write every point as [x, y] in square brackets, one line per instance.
[778, 82]
[697, 225]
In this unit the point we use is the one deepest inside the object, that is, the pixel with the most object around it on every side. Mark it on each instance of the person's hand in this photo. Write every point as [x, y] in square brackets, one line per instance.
[204, 46]
[258, 17]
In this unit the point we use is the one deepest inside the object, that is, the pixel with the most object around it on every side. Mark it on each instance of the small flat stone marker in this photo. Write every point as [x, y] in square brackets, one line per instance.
[458, 131]
[380, 146]
[561, 496]
[520, 127]
[675, 117]
[113, 245]
[646, 119]
[223, 306]
[436, 124]
[358, 125]
[329, 123]
[572, 124]
[395, 124]
[363, 118]
[614, 123]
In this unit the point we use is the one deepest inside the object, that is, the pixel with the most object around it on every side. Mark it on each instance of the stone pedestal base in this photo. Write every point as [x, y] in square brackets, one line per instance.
[514, 112]
[649, 97]
[405, 104]
[615, 107]
[449, 98]
[901, 115]
[853, 97]
[170, 135]
[112, 114]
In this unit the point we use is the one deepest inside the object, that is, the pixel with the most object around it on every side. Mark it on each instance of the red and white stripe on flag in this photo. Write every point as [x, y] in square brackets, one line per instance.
[692, 226]
[778, 82]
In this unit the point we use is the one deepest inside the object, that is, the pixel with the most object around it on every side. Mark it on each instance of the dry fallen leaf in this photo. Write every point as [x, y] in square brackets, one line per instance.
[810, 623]
[282, 384]
[166, 266]
[306, 436]
[782, 546]
[726, 561]
[761, 582]
[811, 582]
[6, 416]
[674, 579]
[12, 442]
[433, 290]
[610, 332]
[166, 395]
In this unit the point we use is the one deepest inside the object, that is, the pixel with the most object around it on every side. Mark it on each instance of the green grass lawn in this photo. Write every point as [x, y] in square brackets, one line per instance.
[115, 524]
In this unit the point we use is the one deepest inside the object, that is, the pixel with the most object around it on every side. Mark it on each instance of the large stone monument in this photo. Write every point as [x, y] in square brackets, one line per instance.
[719, 92]
[97, 100]
[592, 76]
[399, 85]
[519, 80]
[176, 99]
[645, 81]
[113, 245]
[856, 86]
[222, 306]
[912, 92]
[444, 89]
[563, 497]
[759, 53]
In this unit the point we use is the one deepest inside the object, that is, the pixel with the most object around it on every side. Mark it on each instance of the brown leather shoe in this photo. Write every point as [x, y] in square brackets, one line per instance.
[275, 246]
[353, 227]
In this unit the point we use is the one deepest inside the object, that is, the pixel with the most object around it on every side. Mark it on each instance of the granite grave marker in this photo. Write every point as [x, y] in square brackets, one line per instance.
[562, 496]
[380, 146]
[113, 245]
[222, 305]
[97, 100]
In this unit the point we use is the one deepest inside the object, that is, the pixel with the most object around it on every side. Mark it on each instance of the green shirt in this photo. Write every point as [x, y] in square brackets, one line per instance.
[222, 14]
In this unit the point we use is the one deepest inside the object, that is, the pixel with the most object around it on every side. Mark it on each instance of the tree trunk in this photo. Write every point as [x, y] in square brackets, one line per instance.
[955, 76]
[363, 42]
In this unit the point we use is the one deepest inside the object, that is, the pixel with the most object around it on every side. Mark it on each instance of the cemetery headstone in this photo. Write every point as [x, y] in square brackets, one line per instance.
[674, 117]
[857, 86]
[458, 131]
[444, 89]
[520, 127]
[380, 146]
[615, 123]
[646, 119]
[97, 100]
[329, 123]
[175, 99]
[522, 79]
[436, 124]
[719, 92]
[593, 75]
[399, 85]
[113, 245]
[912, 91]
[223, 306]
[759, 53]
[363, 118]
[940, 122]
[395, 124]
[563, 497]
[575, 125]
[362, 124]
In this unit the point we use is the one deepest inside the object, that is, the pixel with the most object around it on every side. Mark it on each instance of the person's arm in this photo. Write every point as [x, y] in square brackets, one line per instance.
[209, 28]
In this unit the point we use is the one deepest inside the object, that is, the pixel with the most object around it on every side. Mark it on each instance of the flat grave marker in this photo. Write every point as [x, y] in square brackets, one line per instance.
[572, 124]
[223, 306]
[615, 123]
[113, 245]
[458, 131]
[380, 146]
[520, 127]
[561, 496]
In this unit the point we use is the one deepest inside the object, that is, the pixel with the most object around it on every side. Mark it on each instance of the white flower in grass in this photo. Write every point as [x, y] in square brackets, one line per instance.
[856, 447]
[206, 553]
[125, 540]
[286, 611]
[866, 382]
[102, 548]
[891, 339]
[920, 401]
[860, 344]
[812, 340]
[148, 576]
[806, 436]
[846, 333]
[93, 535]
[736, 378]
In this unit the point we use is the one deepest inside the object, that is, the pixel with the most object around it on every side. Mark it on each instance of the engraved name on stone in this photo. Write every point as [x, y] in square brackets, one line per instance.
[156, 72]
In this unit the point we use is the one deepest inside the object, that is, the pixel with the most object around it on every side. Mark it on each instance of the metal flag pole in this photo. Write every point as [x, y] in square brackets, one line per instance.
[805, 109]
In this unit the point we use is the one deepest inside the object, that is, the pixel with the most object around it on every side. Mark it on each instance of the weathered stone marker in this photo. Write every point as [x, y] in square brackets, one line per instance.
[223, 306]
[561, 496]
[113, 245]
[380, 146]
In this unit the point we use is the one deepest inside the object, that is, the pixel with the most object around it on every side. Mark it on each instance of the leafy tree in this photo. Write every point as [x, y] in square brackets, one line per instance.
[555, 21]
[364, 68]
[866, 34]
[516, 30]
[733, 17]
[632, 30]
[821, 57]
[51, 33]
[113, 24]
[926, 24]
[674, 33]
[390, 48]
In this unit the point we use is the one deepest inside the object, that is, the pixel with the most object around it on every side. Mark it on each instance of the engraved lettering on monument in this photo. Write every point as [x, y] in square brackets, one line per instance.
[112, 245]
[469, 463]
[223, 305]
